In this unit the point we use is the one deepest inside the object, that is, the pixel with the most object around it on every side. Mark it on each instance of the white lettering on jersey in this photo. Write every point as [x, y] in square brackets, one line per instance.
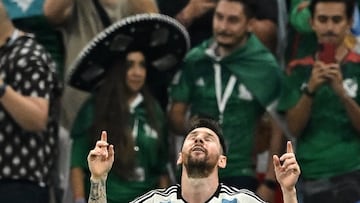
[200, 82]
[351, 87]
[244, 93]
[150, 132]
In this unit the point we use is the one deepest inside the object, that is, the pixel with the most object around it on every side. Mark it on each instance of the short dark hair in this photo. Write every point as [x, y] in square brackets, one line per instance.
[249, 6]
[349, 6]
[202, 122]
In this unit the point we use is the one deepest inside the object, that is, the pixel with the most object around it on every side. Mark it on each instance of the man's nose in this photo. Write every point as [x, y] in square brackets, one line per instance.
[330, 25]
[199, 139]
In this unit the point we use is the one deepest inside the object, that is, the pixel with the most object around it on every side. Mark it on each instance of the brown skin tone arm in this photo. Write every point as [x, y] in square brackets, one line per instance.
[143, 6]
[298, 116]
[77, 183]
[177, 117]
[57, 11]
[31, 113]
[275, 147]
[164, 181]
[194, 9]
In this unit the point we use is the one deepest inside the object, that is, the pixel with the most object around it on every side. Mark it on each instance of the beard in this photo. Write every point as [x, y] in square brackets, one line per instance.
[233, 43]
[199, 167]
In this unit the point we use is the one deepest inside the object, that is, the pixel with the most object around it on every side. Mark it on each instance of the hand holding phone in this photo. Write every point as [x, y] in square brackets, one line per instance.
[326, 53]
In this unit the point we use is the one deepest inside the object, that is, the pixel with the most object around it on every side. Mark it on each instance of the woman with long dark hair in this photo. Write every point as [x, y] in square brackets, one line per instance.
[134, 121]
[115, 68]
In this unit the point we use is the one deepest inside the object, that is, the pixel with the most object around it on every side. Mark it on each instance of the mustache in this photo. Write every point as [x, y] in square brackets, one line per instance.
[329, 34]
[223, 33]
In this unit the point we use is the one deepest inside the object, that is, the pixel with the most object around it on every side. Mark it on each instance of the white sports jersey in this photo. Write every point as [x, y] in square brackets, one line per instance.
[224, 194]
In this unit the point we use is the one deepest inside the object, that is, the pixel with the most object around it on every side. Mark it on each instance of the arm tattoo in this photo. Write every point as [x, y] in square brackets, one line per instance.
[97, 191]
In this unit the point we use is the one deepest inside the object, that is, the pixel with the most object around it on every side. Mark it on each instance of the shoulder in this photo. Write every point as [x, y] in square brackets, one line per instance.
[198, 52]
[158, 195]
[27, 48]
[352, 57]
[227, 192]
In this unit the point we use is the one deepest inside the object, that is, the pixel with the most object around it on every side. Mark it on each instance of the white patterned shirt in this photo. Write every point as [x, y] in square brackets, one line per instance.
[224, 194]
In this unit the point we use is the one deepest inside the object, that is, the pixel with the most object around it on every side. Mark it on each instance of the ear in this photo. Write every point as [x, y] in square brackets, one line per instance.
[179, 160]
[222, 161]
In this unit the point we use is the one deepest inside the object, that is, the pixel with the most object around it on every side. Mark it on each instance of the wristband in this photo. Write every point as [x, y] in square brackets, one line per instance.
[2, 89]
[271, 184]
[307, 92]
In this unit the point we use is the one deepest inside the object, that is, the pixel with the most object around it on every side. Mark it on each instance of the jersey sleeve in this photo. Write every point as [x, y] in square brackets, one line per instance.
[180, 87]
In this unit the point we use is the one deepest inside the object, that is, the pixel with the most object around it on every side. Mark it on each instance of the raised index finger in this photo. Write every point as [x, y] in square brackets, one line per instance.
[289, 147]
[104, 136]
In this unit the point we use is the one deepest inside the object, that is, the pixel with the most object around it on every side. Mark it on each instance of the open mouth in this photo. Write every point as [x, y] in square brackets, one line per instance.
[198, 149]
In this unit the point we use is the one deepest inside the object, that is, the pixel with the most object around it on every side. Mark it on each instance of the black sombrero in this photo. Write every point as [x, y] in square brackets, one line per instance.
[164, 40]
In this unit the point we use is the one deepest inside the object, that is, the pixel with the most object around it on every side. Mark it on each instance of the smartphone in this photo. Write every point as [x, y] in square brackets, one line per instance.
[326, 53]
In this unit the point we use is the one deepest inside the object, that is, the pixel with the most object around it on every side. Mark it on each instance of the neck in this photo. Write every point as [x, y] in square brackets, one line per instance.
[195, 190]
[341, 52]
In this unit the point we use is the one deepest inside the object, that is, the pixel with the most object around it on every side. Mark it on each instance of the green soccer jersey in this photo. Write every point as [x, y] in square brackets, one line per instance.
[243, 75]
[151, 154]
[329, 145]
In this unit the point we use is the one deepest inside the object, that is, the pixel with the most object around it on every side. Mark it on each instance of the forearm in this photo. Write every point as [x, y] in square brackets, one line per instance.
[177, 118]
[178, 125]
[143, 6]
[298, 117]
[185, 16]
[77, 183]
[276, 146]
[352, 110]
[164, 181]
[31, 113]
[97, 191]
[57, 11]
[289, 196]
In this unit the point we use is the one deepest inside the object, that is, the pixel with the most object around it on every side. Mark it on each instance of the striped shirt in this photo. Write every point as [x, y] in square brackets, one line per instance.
[224, 194]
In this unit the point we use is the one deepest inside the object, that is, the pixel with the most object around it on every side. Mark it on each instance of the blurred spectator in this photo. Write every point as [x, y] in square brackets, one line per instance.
[87, 19]
[126, 53]
[196, 15]
[29, 104]
[232, 78]
[302, 39]
[321, 101]
[41, 18]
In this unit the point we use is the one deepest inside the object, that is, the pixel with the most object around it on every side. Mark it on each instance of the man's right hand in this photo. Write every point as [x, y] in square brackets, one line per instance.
[101, 158]
[195, 9]
[318, 75]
